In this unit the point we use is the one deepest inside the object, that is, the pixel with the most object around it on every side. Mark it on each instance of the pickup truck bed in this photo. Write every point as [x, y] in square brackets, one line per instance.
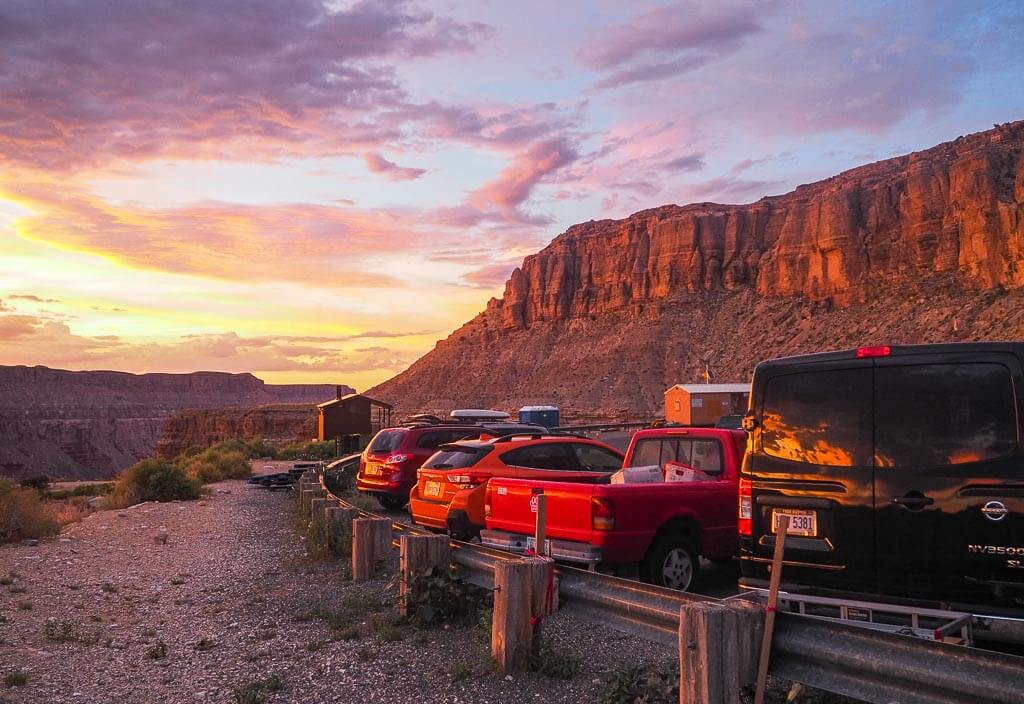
[661, 526]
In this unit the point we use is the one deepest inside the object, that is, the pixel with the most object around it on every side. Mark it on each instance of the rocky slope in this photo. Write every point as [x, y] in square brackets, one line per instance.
[923, 247]
[93, 424]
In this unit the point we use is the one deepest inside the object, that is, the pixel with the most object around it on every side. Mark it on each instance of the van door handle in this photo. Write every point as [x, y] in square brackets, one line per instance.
[914, 500]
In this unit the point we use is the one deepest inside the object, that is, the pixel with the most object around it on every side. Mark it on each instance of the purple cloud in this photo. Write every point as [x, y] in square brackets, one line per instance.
[83, 83]
[379, 165]
[667, 41]
[686, 162]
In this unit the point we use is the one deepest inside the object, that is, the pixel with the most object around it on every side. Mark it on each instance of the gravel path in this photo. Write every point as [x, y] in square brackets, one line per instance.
[109, 613]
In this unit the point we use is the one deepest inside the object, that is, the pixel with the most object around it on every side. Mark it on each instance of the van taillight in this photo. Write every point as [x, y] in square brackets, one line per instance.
[602, 513]
[879, 351]
[746, 525]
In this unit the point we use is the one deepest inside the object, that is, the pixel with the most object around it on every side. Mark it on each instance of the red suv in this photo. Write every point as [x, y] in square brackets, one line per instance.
[387, 467]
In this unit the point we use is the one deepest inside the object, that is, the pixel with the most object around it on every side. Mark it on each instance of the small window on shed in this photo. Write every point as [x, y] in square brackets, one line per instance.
[679, 405]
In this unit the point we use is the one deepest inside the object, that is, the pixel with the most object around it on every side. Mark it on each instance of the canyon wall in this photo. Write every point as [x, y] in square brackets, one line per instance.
[919, 248]
[278, 424]
[92, 424]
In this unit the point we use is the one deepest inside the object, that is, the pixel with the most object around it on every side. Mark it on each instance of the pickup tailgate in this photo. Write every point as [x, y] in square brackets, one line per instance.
[513, 508]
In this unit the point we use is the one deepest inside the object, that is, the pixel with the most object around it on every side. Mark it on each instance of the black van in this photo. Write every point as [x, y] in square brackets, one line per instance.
[901, 469]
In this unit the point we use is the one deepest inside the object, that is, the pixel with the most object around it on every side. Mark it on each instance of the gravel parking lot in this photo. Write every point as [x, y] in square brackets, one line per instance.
[109, 612]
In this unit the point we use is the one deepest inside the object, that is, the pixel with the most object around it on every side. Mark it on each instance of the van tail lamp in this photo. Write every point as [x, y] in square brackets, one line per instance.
[746, 509]
[468, 481]
[396, 459]
[879, 351]
[602, 513]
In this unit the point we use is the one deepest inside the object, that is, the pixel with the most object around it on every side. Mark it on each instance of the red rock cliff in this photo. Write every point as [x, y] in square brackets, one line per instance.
[928, 246]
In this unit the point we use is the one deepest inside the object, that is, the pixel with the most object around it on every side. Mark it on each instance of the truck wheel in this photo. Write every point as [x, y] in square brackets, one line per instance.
[671, 562]
[391, 502]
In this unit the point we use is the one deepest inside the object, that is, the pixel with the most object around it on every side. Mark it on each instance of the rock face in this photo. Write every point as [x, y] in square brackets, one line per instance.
[278, 424]
[923, 247]
[91, 425]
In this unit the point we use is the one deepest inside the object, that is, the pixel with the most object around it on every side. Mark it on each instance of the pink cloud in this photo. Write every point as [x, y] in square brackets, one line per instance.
[513, 186]
[490, 276]
[379, 165]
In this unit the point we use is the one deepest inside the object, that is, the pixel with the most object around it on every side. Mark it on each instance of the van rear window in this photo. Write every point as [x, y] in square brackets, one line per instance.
[821, 418]
[932, 415]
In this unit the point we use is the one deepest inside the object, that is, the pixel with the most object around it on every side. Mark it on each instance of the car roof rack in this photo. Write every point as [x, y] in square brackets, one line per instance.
[535, 436]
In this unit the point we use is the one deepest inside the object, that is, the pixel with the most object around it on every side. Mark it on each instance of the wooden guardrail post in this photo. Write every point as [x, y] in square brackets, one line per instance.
[317, 507]
[543, 591]
[338, 520]
[709, 654]
[371, 540]
[419, 554]
[511, 632]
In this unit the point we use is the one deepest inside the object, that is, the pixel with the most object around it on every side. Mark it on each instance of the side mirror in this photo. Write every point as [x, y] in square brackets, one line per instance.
[749, 423]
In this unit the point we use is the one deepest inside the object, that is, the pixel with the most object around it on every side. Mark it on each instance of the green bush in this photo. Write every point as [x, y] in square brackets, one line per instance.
[154, 480]
[252, 449]
[315, 450]
[23, 514]
[40, 483]
[215, 465]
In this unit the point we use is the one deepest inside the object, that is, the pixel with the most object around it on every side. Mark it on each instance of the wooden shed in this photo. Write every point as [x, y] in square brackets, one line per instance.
[354, 414]
[704, 404]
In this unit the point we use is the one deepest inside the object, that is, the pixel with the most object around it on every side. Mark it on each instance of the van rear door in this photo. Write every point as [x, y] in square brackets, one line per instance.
[813, 463]
[949, 481]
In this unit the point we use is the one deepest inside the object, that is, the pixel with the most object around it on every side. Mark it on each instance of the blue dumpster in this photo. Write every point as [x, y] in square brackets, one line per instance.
[541, 415]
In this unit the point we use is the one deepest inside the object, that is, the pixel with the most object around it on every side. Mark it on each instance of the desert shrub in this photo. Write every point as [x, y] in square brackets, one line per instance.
[436, 597]
[548, 661]
[40, 483]
[307, 451]
[643, 683]
[16, 678]
[23, 514]
[214, 465]
[85, 490]
[154, 480]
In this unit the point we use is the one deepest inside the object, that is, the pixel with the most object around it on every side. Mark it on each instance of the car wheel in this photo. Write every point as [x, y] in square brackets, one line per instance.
[391, 502]
[671, 562]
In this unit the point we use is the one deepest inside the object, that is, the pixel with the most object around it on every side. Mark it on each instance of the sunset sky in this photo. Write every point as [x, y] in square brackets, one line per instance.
[318, 191]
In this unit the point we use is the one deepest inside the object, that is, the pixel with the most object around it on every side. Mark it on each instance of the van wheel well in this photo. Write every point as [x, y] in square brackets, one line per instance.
[684, 526]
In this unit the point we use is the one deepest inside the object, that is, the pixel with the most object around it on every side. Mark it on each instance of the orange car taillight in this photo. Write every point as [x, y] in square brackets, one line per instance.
[602, 513]
[468, 481]
[746, 508]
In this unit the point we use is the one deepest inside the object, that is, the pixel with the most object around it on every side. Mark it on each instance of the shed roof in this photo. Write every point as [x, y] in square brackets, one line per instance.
[713, 388]
[333, 401]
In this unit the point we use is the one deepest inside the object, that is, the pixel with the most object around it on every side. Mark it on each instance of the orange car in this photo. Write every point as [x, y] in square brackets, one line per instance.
[451, 485]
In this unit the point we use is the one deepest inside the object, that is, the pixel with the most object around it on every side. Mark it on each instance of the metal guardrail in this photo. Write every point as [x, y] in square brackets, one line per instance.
[865, 664]
[597, 427]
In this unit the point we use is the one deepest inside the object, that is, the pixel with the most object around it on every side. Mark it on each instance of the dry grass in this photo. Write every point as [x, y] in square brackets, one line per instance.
[23, 514]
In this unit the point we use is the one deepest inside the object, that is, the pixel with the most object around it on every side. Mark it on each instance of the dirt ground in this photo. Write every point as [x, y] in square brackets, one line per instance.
[216, 601]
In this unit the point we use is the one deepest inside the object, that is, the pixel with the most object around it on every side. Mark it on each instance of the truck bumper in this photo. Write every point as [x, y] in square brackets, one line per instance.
[563, 550]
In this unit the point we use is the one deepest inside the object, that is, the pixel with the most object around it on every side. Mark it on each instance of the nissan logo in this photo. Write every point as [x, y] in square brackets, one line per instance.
[994, 511]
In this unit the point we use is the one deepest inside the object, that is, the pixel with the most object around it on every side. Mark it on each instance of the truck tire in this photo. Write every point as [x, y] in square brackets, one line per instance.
[671, 562]
[392, 502]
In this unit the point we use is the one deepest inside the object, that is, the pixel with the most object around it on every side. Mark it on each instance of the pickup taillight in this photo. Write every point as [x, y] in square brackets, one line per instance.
[487, 501]
[602, 513]
[746, 508]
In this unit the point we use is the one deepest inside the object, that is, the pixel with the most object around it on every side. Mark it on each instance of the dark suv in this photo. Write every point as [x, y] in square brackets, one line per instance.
[901, 469]
[387, 468]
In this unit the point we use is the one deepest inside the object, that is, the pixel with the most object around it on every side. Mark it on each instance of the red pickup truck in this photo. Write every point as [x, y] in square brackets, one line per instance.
[661, 526]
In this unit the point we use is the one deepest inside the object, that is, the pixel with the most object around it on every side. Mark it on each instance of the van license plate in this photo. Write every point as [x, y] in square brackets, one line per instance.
[800, 522]
[432, 489]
